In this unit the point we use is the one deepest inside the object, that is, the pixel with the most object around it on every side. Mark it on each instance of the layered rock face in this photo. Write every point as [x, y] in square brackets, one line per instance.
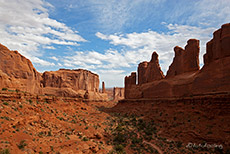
[215, 74]
[219, 46]
[150, 71]
[184, 78]
[77, 79]
[185, 60]
[118, 93]
[17, 72]
[65, 82]
[129, 82]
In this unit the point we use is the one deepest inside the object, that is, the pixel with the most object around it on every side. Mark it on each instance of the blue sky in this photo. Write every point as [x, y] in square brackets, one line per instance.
[108, 37]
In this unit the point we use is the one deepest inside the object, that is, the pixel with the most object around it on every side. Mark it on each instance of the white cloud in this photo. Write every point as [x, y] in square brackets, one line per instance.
[54, 58]
[111, 71]
[49, 47]
[94, 60]
[25, 26]
[59, 64]
[41, 62]
[112, 77]
[138, 47]
[141, 45]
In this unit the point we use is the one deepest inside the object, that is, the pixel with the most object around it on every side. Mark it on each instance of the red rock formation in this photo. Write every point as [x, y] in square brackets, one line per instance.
[71, 83]
[219, 46]
[129, 82]
[103, 87]
[148, 72]
[185, 60]
[77, 79]
[18, 72]
[118, 93]
[141, 72]
[215, 74]
[184, 79]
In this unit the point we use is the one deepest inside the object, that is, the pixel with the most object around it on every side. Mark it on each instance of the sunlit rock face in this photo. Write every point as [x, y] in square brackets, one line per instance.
[17, 72]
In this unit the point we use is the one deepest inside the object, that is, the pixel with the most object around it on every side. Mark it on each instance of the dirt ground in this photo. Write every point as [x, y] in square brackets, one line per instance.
[45, 124]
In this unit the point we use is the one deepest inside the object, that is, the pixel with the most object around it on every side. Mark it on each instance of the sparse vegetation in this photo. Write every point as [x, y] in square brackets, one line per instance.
[5, 151]
[59, 123]
[85, 139]
[22, 145]
[5, 103]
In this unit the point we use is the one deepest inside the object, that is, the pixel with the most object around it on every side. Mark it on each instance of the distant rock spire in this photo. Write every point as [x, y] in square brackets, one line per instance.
[103, 87]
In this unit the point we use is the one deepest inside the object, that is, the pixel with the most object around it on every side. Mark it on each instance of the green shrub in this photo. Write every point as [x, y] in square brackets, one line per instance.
[5, 151]
[85, 139]
[22, 144]
[49, 133]
[119, 148]
[4, 89]
[5, 103]
[120, 138]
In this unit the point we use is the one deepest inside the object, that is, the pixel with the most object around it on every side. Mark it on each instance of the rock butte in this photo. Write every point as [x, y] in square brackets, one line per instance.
[184, 77]
[17, 72]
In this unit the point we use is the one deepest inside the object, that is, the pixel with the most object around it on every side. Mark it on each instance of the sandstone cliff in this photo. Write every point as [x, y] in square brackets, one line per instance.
[185, 60]
[184, 78]
[150, 71]
[76, 79]
[17, 72]
[118, 93]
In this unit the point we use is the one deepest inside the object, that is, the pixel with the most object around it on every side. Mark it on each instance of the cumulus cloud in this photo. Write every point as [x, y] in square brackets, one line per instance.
[40, 61]
[141, 45]
[94, 60]
[54, 58]
[26, 26]
[138, 47]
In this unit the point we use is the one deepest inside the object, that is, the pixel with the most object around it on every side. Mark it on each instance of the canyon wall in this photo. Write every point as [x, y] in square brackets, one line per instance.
[17, 72]
[118, 93]
[185, 60]
[184, 78]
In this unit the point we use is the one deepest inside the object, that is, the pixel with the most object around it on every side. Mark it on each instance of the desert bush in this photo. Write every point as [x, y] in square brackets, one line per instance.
[5, 151]
[22, 145]
[4, 89]
[5, 103]
[119, 148]
[85, 139]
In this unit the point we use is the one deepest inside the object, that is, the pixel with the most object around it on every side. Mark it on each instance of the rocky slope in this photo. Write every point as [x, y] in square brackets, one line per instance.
[17, 72]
